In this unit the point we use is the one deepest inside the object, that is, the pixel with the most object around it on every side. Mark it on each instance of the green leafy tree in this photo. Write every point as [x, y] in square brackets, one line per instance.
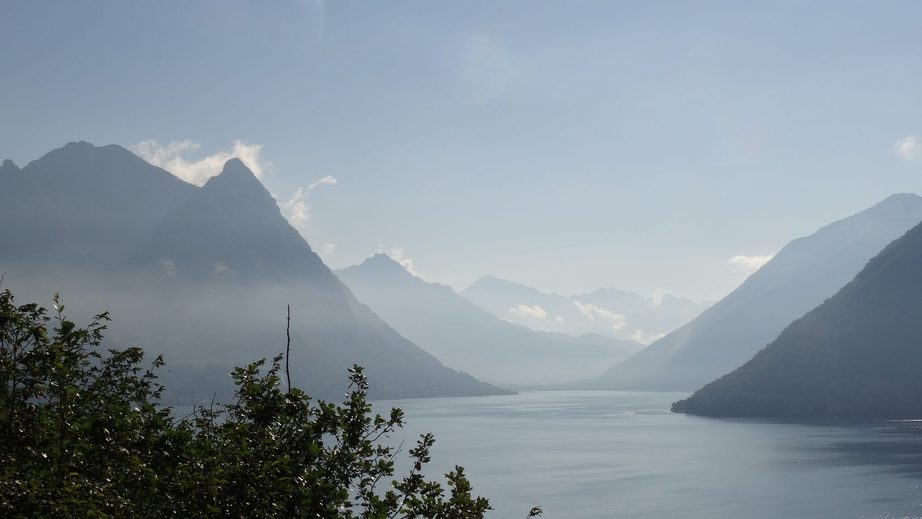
[83, 433]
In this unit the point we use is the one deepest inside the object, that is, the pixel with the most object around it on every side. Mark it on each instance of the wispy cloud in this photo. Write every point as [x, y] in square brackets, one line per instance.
[297, 209]
[593, 312]
[168, 266]
[328, 248]
[646, 338]
[173, 158]
[400, 256]
[325, 181]
[748, 264]
[658, 296]
[534, 312]
[907, 147]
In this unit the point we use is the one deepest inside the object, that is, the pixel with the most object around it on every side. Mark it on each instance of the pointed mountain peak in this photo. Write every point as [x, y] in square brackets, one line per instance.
[236, 166]
[234, 171]
[382, 260]
[237, 180]
[382, 264]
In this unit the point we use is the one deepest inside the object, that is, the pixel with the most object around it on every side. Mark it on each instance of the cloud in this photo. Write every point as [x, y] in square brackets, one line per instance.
[646, 338]
[529, 312]
[748, 264]
[296, 207]
[907, 147]
[592, 312]
[168, 265]
[325, 181]
[400, 257]
[328, 248]
[172, 157]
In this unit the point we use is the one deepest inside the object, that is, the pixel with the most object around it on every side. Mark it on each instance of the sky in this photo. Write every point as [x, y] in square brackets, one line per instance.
[567, 145]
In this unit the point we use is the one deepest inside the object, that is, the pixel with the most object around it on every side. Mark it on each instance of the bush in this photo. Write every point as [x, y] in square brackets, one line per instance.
[83, 433]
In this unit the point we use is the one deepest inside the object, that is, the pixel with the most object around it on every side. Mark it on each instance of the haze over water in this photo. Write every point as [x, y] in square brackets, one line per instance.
[623, 454]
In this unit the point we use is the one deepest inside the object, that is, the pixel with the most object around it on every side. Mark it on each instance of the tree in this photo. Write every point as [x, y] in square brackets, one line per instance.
[83, 433]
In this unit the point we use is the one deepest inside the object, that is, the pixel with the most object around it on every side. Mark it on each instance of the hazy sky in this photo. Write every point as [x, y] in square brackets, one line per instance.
[566, 145]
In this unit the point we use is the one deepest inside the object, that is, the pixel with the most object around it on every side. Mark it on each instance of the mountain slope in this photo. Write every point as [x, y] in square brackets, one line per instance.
[203, 275]
[804, 273]
[83, 205]
[461, 334]
[857, 355]
[234, 228]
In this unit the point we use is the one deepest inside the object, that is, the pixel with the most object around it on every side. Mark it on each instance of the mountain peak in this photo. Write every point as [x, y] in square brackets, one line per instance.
[84, 151]
[898, 202]
[77, 146]
[382, 263]
[239, 181]
[9, 165]
[235, 170]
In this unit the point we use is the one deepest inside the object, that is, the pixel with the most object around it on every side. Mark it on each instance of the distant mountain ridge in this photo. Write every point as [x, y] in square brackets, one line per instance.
[606, 311]
[804, 273]
[857, 355]
[463, 335]
[202, 274]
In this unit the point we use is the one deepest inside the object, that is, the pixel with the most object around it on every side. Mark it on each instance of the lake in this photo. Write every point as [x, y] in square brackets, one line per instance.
[623, 454]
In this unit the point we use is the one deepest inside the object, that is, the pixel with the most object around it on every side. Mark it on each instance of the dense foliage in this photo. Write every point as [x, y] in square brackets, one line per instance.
[82, 434]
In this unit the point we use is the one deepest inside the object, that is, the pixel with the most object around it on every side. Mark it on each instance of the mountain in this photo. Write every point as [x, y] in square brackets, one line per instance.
[802, 275]
[233, 227]
[857, 355]
[463, 335]
[607, 311]
[83, 205]
[202, 274]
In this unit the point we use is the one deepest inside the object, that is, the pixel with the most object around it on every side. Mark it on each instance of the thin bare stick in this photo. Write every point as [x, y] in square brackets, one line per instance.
[288, 349]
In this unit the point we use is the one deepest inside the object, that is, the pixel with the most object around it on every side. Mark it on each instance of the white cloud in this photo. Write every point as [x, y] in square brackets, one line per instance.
[328, 248]
[592, 312]
[646, 338]
[529, 312]
[325, 181]
[296, 207]
[748, 264]
[220, 268]
[171, 157]
[169, 266]
[400, 257]
[907, 147]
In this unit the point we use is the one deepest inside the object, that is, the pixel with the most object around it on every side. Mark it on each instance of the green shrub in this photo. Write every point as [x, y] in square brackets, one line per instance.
[83, 434]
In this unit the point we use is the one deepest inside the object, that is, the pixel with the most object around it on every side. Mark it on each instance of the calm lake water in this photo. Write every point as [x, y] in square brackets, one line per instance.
[622, 454]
